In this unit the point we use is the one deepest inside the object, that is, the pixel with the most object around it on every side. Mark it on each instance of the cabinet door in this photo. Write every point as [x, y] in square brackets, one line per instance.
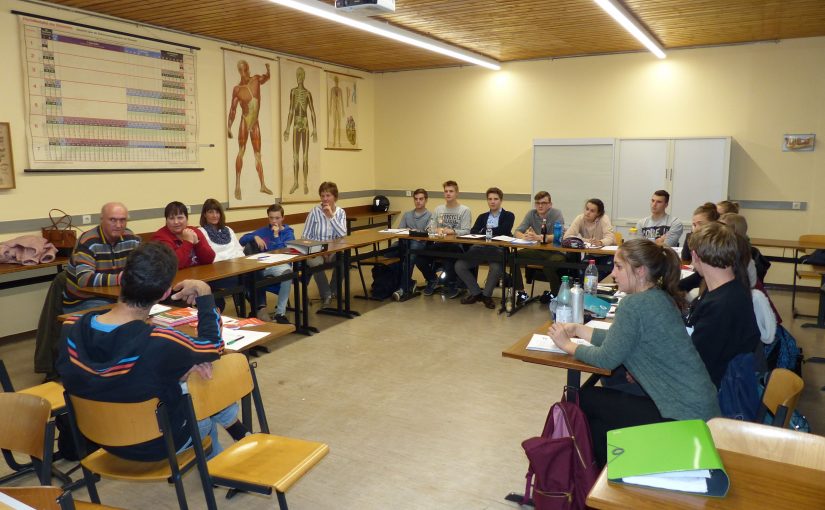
[700, 174]
[641, 169]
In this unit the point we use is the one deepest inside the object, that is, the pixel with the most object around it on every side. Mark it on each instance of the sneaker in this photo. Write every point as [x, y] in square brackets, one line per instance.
[429, 290]
[521, 297]
[397, 295]
[327, 300]
[453, 292]
[488, 302]
[281, 319]
[263, 315]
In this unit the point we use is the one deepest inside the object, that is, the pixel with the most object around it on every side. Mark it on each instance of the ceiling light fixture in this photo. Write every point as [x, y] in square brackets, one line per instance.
[328, 12]
[628, 21]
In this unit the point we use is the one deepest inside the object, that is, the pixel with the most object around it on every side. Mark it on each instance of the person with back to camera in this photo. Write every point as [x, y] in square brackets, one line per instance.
[117, 356]
[721, 320]
[649, 338]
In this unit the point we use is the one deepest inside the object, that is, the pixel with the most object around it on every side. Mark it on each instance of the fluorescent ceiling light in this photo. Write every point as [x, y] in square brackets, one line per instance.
[630, 24]
[328, 12]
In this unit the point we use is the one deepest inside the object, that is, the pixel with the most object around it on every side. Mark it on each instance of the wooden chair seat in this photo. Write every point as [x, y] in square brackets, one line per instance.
[267, 460]
[815, 273]
[380, 261]
[50, 498]
[51, 391]
[111, 466]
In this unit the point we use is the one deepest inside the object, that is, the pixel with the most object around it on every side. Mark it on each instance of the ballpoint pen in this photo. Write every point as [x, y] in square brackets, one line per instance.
[235, 340]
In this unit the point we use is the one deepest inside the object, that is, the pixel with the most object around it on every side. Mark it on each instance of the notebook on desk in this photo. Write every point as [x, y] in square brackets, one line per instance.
[676, 455]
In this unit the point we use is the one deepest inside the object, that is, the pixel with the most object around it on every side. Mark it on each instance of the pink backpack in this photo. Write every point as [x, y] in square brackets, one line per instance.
[562, 469]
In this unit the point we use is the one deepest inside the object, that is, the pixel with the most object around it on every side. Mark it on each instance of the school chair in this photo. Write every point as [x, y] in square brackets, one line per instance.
[26, 427]
[50, 498]
[802, 273]
[124, 424]
[260, 462]
[52, 393]
[780, 397]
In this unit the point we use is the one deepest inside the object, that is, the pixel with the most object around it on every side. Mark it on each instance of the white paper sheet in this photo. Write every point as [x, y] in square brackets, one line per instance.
[237, 339]
[271, 258]
[545, 344]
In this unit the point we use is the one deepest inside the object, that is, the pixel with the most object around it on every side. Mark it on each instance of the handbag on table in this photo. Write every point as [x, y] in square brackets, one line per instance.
[61, 233]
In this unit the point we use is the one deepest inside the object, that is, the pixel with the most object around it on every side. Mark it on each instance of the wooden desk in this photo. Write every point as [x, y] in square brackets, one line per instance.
[19, 269]
[206, 272]
[274, 329]
[365, 212]
[573, 366]
[761, 477]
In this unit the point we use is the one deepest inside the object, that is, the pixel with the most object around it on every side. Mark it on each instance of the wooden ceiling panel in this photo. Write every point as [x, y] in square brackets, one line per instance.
[505, 30]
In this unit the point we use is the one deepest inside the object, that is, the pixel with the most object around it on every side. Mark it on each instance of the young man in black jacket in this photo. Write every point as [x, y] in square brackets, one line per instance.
[501, 223]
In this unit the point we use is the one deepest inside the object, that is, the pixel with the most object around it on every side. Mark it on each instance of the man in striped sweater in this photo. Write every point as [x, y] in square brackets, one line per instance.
[99, 258]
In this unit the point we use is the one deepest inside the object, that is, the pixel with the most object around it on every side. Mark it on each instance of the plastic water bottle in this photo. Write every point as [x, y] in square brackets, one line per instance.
[577, 303]
[432, 229]
[557, 233]
[632, 233]
[564, 305]
[488, 234]
[591, 278]
[544, 231]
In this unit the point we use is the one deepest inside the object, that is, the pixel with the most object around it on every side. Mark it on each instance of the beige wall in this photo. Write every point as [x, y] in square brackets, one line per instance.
[477, 126]
[80, 194]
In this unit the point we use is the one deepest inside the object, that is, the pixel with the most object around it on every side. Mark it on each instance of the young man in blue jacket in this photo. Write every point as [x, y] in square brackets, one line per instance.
[273, 236]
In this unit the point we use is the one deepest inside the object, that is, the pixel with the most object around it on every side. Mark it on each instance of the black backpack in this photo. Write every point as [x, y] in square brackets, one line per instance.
[386, 279]
[380, 204]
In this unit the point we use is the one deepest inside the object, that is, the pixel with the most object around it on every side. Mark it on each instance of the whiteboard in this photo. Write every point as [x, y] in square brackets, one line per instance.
[573, 171]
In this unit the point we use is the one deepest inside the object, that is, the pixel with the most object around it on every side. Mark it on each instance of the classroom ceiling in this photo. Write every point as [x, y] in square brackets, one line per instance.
[505, 30]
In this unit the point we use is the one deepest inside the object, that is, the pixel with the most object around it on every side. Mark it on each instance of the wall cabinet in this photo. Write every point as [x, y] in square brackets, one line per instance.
[692, 170]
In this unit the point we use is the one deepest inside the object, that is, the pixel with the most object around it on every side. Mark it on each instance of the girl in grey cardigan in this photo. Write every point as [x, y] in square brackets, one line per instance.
[649, 338]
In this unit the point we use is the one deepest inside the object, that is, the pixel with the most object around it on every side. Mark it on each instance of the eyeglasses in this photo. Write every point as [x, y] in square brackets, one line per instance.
[542, 203]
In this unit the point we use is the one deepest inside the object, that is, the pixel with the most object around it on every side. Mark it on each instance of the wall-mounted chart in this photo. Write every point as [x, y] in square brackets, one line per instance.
[101, 100]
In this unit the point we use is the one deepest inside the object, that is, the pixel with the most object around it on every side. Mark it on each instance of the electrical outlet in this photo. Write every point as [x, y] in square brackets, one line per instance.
[408, 193]
[796, 206]
[87, 218]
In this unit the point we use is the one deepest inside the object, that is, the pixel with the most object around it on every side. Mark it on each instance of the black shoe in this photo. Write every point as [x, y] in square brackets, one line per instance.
[521, 297]
[453, 292]
[281, 319]
[469, 300]
[488, 302]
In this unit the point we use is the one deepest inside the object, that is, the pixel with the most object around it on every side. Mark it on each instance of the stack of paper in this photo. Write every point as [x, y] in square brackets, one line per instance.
[403, 231]
[237, 340]
[523, 241]
[175, 317]
[505, 239]
[472, 236]
[545, 344]
[272, 258]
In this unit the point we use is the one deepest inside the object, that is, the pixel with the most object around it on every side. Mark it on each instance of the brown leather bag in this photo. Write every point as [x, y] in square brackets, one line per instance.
[61, 233]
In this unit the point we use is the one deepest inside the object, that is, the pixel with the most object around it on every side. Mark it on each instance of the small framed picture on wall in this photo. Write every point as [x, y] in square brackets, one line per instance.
[6, 159]
[798, 143]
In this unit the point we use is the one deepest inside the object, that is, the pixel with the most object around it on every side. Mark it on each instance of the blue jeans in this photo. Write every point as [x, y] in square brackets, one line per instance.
[283, 288]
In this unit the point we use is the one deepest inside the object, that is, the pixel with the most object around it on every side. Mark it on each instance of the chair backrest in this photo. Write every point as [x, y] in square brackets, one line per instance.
[231, 380]
[41, 498]
[771, 443]
[23, 422]
[115, 423]
[784, 388]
